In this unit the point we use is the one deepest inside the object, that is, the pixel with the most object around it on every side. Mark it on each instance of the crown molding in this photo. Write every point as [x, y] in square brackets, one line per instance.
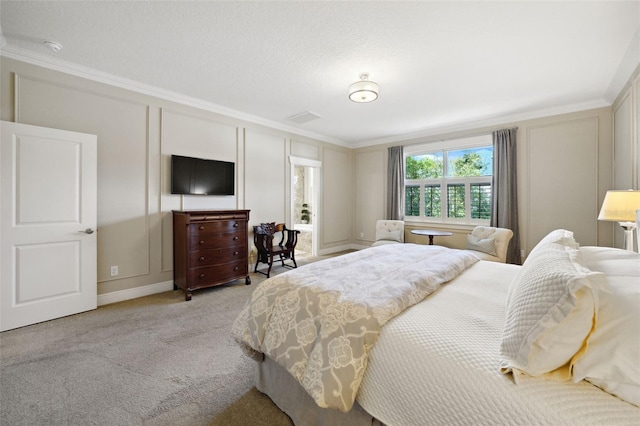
[55, 64]
[109, 79]
[629, 64]
[485, 123]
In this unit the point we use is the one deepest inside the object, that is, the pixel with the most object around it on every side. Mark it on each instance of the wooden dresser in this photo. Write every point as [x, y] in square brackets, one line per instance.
[210, 247]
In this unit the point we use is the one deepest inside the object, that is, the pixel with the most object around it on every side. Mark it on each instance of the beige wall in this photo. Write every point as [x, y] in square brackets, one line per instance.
[565, 167]
[626, 119]
[137, 134]
[564, 170]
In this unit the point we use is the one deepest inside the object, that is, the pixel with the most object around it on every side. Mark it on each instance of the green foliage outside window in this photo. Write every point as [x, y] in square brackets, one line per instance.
[464, 163]
[455, 201]
[424, 167]
[480, 201]
[412, 200]
[432, 203]
[470, 163]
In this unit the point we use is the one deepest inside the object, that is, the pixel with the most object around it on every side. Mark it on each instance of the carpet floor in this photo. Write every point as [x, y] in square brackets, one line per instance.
[156, 360]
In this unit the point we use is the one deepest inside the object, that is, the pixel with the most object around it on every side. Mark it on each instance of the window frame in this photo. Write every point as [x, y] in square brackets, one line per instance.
[481, 141]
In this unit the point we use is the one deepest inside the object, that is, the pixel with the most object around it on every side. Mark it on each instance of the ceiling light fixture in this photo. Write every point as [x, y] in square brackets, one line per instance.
[363, 90]
[54, 46]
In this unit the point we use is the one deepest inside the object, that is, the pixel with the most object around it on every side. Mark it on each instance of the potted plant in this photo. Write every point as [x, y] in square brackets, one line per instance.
[304, 213]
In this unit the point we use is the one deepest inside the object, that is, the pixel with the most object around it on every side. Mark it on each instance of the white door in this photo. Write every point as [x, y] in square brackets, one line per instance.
[48, 216]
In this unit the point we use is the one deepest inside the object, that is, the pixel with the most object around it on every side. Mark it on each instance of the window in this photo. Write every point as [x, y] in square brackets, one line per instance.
[451, 184]
[412, 200]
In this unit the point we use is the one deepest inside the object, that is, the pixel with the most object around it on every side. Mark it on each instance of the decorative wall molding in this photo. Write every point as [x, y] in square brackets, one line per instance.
[108, 224]
[583, 219]
[102, 77]
[489, 122]
[32, 58]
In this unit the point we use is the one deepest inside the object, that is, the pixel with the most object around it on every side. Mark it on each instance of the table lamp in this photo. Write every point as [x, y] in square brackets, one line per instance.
[621, 206]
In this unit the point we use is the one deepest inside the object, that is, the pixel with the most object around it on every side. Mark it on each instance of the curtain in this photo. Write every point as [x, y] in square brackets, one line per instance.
[395, 184]
[504, 196]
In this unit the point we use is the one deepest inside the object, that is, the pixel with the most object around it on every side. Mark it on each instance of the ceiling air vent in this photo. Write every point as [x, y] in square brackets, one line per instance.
[303, 117]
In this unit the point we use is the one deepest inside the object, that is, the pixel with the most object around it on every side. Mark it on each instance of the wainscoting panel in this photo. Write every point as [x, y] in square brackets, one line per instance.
[265, 178]
[337, 181]
[370, 192]
[123, 225]
[562, 160]
[191, 135]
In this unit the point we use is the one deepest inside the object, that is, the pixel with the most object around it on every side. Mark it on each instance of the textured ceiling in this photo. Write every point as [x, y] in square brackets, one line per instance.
[440, 65]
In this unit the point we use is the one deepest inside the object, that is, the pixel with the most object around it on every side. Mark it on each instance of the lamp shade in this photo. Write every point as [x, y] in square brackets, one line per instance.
[363, 90]
[620, 206]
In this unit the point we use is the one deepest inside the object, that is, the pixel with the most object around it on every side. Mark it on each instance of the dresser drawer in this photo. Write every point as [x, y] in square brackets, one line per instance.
[203, 277]
[203, 228]
[216, 256]
[210, 247]
[234, 238]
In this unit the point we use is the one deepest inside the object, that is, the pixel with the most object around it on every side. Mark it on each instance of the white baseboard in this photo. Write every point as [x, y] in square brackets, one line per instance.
[134, 293]
[340, 248]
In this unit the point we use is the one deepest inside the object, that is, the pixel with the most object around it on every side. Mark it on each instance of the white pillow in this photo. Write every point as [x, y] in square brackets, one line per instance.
[383, 234]
[560, 236]
[611, 359]
[484, 245]
[551, 311]
[611, 261]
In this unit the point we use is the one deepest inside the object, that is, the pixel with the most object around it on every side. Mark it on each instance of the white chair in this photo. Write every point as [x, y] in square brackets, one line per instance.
[389, 232]
[489, 243]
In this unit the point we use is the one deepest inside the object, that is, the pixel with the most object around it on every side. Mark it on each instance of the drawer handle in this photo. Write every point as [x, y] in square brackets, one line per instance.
[201, 276]
[201, 241]
[201, 258]
[235, 253]
[201, 228]
[236, 268]
[235, 225]
[235, 238]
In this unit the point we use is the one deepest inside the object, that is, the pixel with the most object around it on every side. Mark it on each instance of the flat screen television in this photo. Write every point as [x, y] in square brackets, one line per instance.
[198, 176]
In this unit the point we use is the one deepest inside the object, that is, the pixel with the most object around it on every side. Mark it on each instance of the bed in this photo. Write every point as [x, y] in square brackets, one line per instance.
[484, 343]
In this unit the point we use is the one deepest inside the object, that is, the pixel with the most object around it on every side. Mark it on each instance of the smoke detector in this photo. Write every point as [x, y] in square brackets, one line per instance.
[54, 46]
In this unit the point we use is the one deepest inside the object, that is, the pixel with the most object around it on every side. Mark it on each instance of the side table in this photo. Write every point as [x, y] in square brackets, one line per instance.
[431, 233]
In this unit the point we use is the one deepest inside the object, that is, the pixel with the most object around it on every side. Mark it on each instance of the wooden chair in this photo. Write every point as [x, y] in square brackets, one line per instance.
[263, 238]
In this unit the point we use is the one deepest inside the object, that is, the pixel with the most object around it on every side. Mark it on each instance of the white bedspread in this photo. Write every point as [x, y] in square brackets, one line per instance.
[321, 320]
[438, 364]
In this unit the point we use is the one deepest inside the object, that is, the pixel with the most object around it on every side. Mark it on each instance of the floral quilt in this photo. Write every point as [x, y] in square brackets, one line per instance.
[321, 320]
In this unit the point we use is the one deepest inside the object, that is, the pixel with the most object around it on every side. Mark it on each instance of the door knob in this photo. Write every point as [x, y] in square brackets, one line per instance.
[88, 231]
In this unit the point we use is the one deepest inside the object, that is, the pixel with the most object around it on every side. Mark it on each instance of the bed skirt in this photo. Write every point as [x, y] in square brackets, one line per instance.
[288, 395]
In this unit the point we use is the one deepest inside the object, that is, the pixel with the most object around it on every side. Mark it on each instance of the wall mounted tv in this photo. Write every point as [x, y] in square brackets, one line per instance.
[197, 176]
